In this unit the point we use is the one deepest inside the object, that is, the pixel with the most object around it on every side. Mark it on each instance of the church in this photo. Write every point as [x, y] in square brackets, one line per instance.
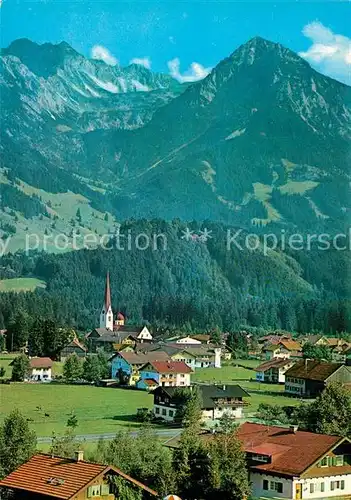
[112, 332]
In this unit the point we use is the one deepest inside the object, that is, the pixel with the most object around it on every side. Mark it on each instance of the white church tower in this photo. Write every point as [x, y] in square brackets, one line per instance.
[106, 315]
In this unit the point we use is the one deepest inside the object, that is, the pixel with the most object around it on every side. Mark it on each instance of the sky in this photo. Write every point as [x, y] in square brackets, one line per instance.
[181, 37]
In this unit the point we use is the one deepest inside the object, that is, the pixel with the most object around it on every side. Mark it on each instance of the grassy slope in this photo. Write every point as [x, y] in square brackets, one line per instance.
[21, 284]
[62, 205]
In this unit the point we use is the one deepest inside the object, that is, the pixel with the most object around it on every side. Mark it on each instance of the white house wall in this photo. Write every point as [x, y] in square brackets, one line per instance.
[258, 491]
[328, 493]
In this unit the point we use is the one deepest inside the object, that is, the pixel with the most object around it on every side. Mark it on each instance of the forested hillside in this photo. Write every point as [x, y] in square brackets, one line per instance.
[186, 281]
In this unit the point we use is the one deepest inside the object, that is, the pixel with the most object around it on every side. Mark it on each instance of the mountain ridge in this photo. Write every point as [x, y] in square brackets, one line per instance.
[260, 141]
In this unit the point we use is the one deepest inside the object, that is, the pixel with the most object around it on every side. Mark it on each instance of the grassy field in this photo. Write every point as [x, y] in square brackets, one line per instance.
[99, 410]
[21, 284]
[5, 360]
[106, 410]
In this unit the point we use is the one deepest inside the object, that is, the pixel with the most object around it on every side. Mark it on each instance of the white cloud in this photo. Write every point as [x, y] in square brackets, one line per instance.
[171, 39]
[143, 61]
[194, 73]
[101, 53]
[329, 52]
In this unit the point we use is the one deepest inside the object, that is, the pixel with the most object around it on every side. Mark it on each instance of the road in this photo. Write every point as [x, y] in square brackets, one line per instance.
[166, 433]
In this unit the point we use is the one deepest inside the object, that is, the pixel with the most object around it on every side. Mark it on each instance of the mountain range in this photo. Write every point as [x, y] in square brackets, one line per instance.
[262, 141]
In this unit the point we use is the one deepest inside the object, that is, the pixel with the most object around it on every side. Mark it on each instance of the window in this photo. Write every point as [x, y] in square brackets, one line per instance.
[171, 413]
[94, 491]
[265, 484]
[322, 487]
[324, 462]
[337, 485]
[164, 411]
[105, 489]
[157, 410]
[312, 488]
[339, 460]
[274, 486]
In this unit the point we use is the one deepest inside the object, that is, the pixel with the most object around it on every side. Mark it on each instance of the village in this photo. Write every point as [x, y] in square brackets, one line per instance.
[154, 380]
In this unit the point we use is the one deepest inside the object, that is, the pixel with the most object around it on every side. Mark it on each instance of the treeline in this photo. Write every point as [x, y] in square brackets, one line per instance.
[186, 283]
[16, 200]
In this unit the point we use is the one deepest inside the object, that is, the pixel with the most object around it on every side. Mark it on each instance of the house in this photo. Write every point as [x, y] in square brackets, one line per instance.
[292, 464]
[40, 370]
[130, 363]
[74, 347]
[216, 400]
[275, 351]
[203, 356]
[284, 348]
[273, 371]
[46, 477]
[286, 463]
[188, 340]
[114, 339]
[194, 355]
[339, 351]
[308, 378]
[164, 373]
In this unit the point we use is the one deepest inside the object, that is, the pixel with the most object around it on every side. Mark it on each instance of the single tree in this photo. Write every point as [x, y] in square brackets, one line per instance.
[17, 442]
[91, 369]
[226, 470]
[72, 368]
[20, 368]
[329, 413]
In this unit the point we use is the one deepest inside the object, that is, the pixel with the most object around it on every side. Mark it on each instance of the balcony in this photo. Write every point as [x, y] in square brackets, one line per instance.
[231, 402]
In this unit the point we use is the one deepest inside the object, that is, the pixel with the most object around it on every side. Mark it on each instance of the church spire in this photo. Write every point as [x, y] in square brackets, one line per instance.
[107, 292]
[106, 315]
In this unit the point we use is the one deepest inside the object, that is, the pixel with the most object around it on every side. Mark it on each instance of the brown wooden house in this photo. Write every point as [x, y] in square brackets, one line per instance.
[45, 477]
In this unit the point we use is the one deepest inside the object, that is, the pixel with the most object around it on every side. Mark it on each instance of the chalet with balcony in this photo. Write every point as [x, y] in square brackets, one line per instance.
[273, 371]
[216, 400]
[308, 378]
[46, 477]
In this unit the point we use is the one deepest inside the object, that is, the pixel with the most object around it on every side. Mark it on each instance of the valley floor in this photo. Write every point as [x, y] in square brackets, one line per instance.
[108, 410]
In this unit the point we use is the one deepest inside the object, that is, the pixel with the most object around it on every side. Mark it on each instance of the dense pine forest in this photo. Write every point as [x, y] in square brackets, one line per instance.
[192, 282]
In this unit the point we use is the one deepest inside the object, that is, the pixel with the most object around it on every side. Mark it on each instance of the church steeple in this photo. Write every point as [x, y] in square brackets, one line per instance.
[107, 292]
[106, 315]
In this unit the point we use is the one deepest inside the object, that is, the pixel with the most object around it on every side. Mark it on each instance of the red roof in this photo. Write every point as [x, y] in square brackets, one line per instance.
[171, 367]
[59, 477]
[291, 452]
[150, 382]
[41, 362]
[120, 316]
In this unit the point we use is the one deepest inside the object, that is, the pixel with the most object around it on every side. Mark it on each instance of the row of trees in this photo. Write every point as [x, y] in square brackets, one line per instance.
[44, 337]
[328, 414]
[92, 369]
